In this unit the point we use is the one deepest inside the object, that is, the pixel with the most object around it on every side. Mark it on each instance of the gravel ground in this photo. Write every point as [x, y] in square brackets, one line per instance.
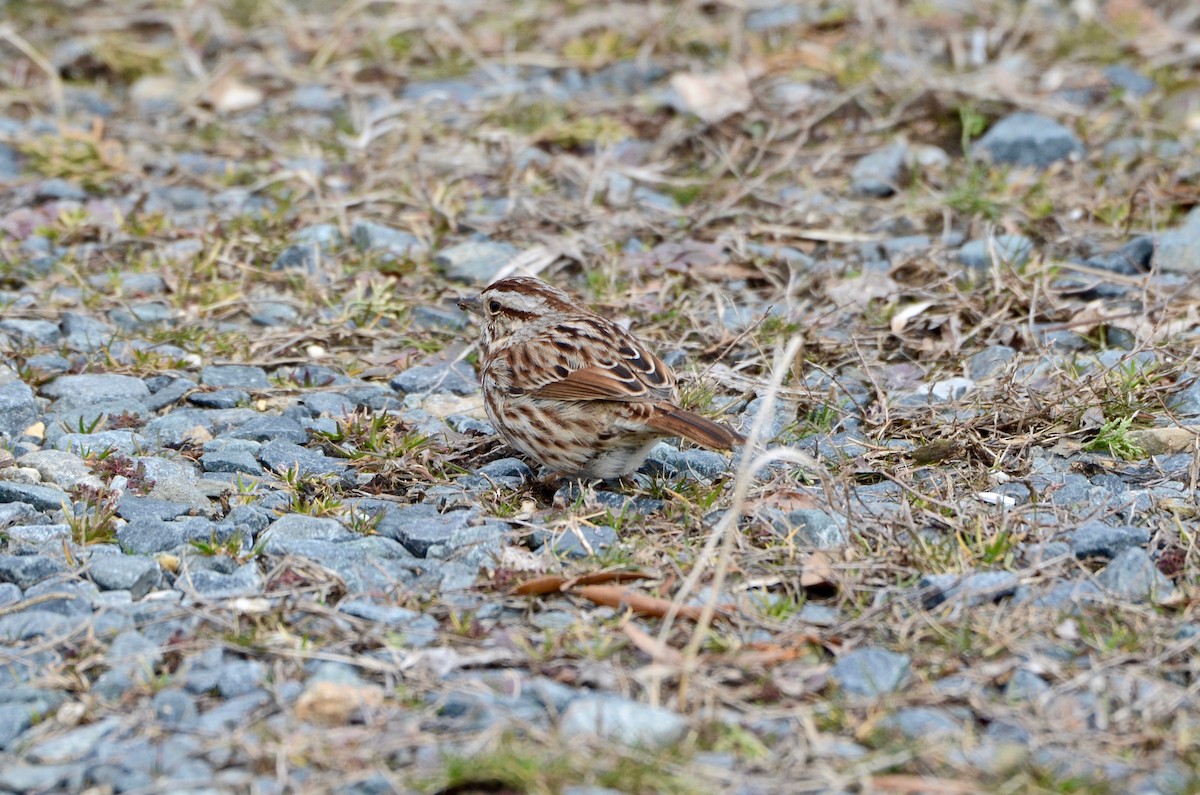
[257, 535]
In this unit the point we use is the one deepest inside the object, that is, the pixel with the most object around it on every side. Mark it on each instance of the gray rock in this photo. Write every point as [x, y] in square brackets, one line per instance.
[1061, 595]
[220, 399]
[1132, 259]
[13, 513]
[1178, 249]
[231, 459]
[973, 588]
[1129, 81]
[264, 429]
[583, 541]
[18, 408]
[300, 527]
[244, 581]
[174, 707]
[1029, 139]
[511, 473]
[457, 378]
[240, 677]
[476, 261]
[278, 456]
[86, 333]
[1098, 539]
[419, 629]
[127, 443]
[1025, 685]
[26, 570]
[702, 464]
[21, 777]
[60, 468]
[231, 713]
[302, 256]
[74, 744]
[148, 536]
[39, 332]
[170, 394]
[923, 723]
[368, 565]
[14, 719]
[85, 390]
[44, 498]
[32, 623]
[9, 593]
[327, 236]
[990, 361]
[273, 313]
[235, 375]
[619, 720]
[369, 236]
[132, 507]
[1011, 250]
[879, 173]
[1132, 575]
[871, 672]
[131, 573]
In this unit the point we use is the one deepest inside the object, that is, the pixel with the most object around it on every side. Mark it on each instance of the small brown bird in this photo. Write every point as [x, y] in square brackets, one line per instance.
[573, 390]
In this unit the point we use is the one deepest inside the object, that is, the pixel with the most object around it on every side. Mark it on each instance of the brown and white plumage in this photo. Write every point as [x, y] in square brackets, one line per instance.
[572, 389]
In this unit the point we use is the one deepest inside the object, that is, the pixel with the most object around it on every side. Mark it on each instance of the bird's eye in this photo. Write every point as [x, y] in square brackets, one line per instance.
[493, 306]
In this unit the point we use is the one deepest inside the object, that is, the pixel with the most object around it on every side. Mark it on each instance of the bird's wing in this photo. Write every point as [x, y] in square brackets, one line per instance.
[589, 358]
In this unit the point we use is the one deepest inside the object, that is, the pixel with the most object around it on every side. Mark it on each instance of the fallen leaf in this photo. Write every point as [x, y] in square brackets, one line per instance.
[901, 318]
[714, 96]
[640, 603]
[333, 703]
[228, 94]
[659, 652]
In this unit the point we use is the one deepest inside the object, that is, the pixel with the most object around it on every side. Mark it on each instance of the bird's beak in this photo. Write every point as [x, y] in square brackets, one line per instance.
[471, 305]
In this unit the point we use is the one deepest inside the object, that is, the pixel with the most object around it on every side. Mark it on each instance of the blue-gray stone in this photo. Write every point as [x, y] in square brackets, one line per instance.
[1132, 259]
[1132, 575]
[973, 588]
[476, 261]
[273, 313]
[148, 536]
[1178, 250]
[230, 460]
[1098, 539]
[583, 541]
[174, 707]
[419, 630]
[239, 677]
[136, 574]
[879, 173]
[89, 389]
[327, 236]
[1129, 81]
[170, 393]
[230, 713]
[1025, 685]
[1029, 139]
[86, 333]
[620, 720]
[245, 581]
[871, 672]
[702, 464]
[32, 623]
[40, 332]
[303, 256]
[922, 723]
[511, 473]
[1011, 250]
[26, 570]
[235, 375]
[457, 378]
[279, 456]
[220, 399]
[44, 498]
[18, 409]
[131, 507]
[370, 236]
[264, 429]
[990, 361]
[14, 719]
[129, 443]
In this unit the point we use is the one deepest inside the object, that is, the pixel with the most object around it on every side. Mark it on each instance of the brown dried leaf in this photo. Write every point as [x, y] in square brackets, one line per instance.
[640, 603]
